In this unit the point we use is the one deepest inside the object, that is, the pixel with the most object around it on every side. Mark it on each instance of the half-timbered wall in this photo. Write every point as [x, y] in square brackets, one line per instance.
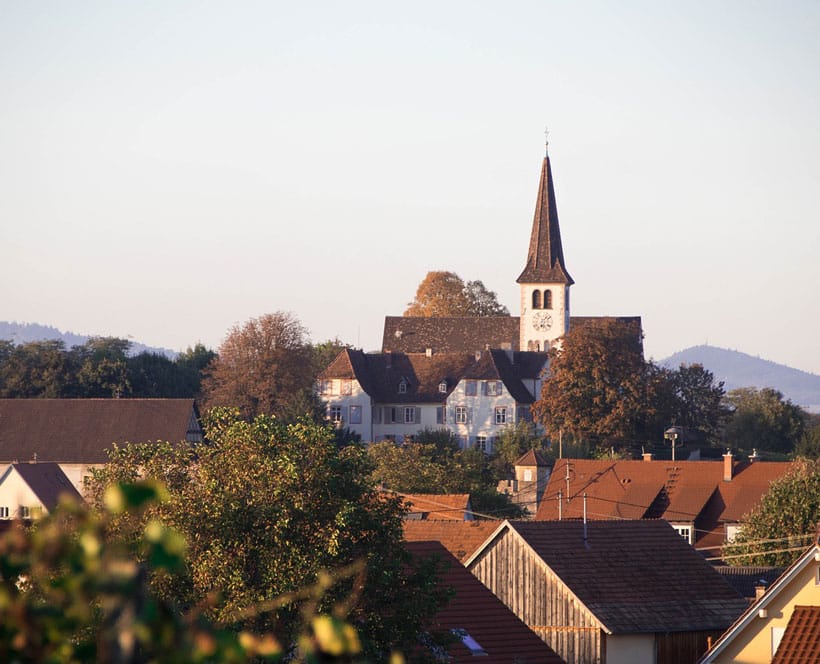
[523, 582]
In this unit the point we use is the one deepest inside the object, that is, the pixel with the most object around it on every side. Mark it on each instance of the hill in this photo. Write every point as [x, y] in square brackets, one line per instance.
[738, 369]
[21, 333]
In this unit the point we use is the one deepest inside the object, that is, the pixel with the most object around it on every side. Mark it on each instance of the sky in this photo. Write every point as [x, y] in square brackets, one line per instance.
[169, 170]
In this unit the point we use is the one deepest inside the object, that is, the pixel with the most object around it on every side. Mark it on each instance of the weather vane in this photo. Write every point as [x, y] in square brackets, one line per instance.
[546, 139]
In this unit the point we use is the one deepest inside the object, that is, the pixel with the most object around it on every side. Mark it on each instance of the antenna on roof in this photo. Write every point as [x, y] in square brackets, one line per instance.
[546, 141]
[586, 540]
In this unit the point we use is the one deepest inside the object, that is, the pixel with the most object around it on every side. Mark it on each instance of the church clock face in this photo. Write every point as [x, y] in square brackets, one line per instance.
[542, 321]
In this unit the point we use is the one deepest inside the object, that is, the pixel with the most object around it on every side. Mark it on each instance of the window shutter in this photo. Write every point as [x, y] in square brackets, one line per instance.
[451, 415]
[484, 388]
[472, 441]
[469, 415]
[417, 416]
[439, 415]
[498, 387]
[344, 414]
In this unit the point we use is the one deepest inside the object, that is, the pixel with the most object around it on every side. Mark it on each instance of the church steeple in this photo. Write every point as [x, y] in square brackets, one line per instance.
[545, 258]
[544, 282]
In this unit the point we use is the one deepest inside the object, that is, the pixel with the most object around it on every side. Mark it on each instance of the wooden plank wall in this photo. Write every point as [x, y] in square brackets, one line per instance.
[521, 580]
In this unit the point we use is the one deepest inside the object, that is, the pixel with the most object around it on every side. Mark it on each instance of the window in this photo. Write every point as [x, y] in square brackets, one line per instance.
[536, 299]
[685, 532]
[481, 443]
[4, 512]
[347, 387]
[492, 388]
[442, 387]
[501, 415]
[409, 415]
[528, 474]
[441, 414]
[336, 414]
[403, 387]
[547, 299]
[732, 531]
[409, 438]
[355, 414]
[25, 512]
[326, 387]
[461, 415]
[470, 388]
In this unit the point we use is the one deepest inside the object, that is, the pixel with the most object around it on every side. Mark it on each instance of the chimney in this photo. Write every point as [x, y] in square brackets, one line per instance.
[428, 352]
[648, 456]
[728, 466]
[760, 589]
[754, 456]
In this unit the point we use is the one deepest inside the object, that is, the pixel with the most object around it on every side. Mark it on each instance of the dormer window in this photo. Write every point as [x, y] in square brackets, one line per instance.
[442, 387]
[403, 386]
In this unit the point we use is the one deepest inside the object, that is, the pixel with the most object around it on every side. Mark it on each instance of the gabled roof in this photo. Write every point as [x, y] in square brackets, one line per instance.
[460, 538]
[545, 256]
[46, 480]
[633, 576]
[679, 492]
[438, 506]
[772, 595]
[744, 579]
[80, 430]
[380, 374]
[801, 640]
[533, 458]
[481, 615]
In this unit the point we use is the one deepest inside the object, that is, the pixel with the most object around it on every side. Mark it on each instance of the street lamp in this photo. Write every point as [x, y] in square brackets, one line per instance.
[675, 437]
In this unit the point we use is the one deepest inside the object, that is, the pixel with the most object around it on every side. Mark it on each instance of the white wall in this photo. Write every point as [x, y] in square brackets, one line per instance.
[481, 410]
[14, 493]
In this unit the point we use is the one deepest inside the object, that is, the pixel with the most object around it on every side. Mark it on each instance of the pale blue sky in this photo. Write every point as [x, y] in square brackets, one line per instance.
[169, 169]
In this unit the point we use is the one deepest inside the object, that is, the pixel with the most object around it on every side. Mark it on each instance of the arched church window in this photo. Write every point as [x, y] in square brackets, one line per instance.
[547, 299]
[536, 299]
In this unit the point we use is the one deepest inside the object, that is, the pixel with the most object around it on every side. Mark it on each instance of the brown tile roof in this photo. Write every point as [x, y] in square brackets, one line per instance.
[680, 491]
[545, 257]
[744, 579]
[474, 609]
[46, 480]
[80, 430]
[415, 334]
[461, 538]
[635, 576]
[801, 640]
[379, 374]
[532, 458]
[437, 506]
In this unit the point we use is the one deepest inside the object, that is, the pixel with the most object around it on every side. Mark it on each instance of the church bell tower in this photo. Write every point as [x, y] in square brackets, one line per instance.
[544, 282]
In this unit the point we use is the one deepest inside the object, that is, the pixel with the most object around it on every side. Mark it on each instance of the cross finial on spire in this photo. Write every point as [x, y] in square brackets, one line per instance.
[546, 140]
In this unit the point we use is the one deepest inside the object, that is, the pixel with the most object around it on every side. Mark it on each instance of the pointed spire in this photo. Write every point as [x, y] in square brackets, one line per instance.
[545, 258]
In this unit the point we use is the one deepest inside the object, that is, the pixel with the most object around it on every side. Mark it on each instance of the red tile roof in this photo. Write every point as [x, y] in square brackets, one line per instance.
[679, 492]
[479, 613]
[460, 538]
[533, 458]
[634, 576]
[438, 506]
[80, 430]
[801, 640]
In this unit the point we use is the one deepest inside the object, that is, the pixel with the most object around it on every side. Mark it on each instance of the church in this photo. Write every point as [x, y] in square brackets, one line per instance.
[473, 376]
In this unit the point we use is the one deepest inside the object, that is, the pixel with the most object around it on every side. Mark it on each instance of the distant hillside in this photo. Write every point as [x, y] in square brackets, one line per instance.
[21, 333]
[738, 369]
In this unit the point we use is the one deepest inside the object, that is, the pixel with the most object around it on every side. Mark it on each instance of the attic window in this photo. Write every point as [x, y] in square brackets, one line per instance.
[469, 642]
[403, 387]
[442, 386]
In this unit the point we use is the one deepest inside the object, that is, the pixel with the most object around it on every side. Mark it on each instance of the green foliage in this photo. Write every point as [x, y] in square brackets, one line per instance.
[35, 369]
[762, 419]
[440, 466]
[70, 594]
[275, 505]
[786, 518]
[513, 441]
[809, 445]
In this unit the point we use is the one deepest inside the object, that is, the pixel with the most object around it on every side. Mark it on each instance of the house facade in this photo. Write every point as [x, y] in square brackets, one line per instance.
[473, 376]
[31, 490]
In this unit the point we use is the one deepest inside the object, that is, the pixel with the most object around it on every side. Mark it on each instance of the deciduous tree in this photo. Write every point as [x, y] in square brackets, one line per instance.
[265, 507]
[764, 420]
[445, 294]
[596, 388]
[262, 366]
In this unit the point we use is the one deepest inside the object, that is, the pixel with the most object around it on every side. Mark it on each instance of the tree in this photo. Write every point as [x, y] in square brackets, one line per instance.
[275, 505]
[785, 521]
[36, 369]
[596, 387]
[764, 420]
[262, 366]
[102, 367]
[445, 294]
